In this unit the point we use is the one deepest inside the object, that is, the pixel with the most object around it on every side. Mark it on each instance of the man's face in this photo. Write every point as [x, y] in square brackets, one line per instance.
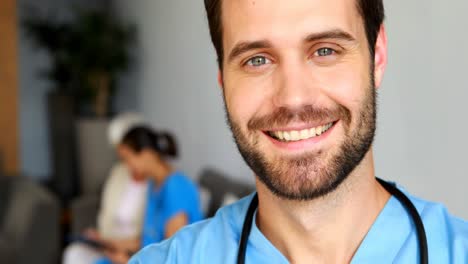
[299, 91]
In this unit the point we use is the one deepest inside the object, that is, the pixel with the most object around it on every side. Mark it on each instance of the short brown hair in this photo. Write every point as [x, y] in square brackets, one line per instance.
[372, 12]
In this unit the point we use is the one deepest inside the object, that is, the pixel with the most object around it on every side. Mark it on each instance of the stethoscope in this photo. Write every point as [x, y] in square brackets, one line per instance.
[404, 200]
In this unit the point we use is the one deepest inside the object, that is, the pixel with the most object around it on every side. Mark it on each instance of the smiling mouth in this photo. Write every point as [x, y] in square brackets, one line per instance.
[298, 135]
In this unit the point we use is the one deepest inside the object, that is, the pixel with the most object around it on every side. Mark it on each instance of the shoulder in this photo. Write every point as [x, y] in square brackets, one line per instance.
[436, 215]
[179, 179]
[213, 239]
[119, 174]
[119, 170]
[117, 180]
[179, 184]
[446, 234]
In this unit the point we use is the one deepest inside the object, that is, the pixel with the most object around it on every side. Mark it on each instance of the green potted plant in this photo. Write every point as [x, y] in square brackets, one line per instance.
[56, 39]
[87, 53]
[100, 53]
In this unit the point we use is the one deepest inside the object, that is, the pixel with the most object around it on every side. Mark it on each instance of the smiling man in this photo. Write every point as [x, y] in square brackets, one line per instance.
[299, 80]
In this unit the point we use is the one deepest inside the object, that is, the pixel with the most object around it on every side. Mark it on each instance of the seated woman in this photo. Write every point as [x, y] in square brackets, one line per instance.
[172, 200]
[122, 205]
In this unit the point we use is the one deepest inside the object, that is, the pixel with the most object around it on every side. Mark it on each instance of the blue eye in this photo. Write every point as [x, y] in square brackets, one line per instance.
[257, 61]
[324, 52]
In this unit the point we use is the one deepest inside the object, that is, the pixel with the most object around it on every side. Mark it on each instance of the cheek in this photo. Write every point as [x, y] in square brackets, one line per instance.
[133, 166]
[247, 96]
[347, 86]
[140, 165]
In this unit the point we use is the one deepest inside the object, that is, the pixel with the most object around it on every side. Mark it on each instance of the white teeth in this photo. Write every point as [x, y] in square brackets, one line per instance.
[312, 132]
[297, 135]
[280, 135]
[318, 130]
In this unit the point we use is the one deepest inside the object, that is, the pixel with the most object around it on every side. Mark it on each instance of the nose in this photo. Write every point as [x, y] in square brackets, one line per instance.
[295, 85]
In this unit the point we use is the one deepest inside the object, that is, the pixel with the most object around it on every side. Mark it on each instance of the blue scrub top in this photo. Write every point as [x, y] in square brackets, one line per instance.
[391, 239]
[177, 194]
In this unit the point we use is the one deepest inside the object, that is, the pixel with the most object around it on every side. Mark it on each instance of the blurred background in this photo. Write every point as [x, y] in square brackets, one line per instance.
[67, 67]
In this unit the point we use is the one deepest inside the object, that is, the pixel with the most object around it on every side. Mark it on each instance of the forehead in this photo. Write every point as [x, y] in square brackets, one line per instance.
[124, 150]
[250, 20]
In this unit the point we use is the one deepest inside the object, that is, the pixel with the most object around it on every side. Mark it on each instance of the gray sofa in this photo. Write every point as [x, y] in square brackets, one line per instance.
[29, 223]
[84, 211]
[219, 188]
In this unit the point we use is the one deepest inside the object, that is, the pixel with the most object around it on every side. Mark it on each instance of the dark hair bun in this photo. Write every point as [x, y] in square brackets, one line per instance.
[141, 138]
[166, 144]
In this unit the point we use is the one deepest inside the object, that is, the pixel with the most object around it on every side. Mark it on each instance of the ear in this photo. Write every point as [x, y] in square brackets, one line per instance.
[220, 79]
[380, 58]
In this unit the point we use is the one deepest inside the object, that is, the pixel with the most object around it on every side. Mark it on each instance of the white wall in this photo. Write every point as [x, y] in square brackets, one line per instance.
[421, 139]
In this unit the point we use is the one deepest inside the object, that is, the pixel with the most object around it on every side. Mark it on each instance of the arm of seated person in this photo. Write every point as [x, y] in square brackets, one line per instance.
[121, 250]
[126, 245]
[117, 257]
[175, 223]
[93, 235]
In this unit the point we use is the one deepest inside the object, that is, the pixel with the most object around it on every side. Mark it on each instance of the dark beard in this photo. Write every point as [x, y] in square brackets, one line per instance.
[311, 175]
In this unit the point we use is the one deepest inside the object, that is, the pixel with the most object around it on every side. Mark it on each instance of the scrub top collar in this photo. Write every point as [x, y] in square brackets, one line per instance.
[384, 240]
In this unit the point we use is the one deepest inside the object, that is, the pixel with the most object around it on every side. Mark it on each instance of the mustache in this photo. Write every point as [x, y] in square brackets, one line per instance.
[282, 116]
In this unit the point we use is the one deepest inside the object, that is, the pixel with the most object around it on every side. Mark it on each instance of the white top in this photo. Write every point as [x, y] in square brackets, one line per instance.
[113, 221]
[134, 194]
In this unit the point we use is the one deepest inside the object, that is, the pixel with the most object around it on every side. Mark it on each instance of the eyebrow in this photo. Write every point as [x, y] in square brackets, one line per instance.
[246, 46]
[331, 34]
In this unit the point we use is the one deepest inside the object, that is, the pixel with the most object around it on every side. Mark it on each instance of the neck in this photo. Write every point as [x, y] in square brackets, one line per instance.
[160, 170]
[328, 229]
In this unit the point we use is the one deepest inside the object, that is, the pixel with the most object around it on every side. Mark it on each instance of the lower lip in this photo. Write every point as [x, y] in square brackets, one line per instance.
[302, 144]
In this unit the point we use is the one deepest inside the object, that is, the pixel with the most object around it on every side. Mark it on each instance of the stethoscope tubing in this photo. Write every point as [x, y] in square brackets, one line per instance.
[391, 188]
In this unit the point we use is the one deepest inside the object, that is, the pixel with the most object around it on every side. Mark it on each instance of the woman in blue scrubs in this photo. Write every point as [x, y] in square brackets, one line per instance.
[173, 199]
